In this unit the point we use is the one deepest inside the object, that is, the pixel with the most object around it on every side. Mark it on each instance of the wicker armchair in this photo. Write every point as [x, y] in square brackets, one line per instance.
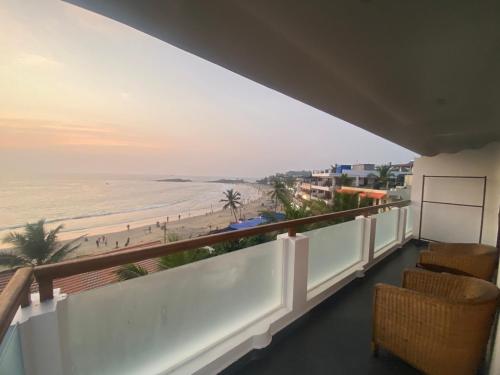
[460, 259]
[437, 322]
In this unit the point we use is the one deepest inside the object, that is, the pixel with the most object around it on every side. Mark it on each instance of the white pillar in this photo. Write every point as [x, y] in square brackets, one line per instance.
[403, 216]
[369, 227]
[40, 336]
[399, 230]
[296, 270]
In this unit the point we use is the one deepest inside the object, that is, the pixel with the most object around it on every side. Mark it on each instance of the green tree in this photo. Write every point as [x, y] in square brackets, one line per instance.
[345, 201]
[36, 246]
[182, 257]
[232, 200]
[130, 271]
[345, 180]
[241, 243]
[279, 193]
[294, 212]
[384, 175]
[318, 207]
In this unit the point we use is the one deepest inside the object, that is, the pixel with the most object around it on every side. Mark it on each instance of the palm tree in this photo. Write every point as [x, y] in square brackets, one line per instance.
[232, 201]
[279, 193]
[130, 271]
[36, 246]
[384, 174]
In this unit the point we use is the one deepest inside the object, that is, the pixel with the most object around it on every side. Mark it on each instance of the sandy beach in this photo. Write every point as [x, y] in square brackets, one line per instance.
[184, 228]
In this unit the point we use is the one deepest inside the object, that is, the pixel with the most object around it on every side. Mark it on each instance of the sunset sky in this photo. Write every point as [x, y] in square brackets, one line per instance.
[81, 93]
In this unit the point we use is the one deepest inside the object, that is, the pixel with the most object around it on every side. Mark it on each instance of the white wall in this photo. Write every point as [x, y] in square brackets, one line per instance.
[458, 224]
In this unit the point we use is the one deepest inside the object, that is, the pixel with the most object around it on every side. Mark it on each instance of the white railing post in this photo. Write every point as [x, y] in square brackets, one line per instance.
[398, 222]
[296, 250]
[403, 215]
[369, 227]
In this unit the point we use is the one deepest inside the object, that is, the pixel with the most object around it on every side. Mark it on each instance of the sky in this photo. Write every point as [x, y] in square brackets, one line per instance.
[80, 93]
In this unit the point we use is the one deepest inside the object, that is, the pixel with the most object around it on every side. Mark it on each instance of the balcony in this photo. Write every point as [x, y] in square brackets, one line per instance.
[323, 186]
[334, 337]
[308, 292]
[203, 316]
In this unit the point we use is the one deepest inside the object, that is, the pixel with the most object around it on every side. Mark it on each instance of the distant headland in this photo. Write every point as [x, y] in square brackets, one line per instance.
[174, 180]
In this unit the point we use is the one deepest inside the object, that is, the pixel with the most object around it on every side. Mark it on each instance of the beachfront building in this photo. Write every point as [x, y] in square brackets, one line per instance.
[421, 74]
[402, 173]
[323, 184]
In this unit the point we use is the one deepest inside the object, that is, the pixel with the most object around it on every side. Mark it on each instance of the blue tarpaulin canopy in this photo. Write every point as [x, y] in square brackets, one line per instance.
[253, 222]
[248, 223]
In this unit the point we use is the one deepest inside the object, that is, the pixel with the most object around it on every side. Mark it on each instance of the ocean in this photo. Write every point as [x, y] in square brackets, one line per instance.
[88, 204]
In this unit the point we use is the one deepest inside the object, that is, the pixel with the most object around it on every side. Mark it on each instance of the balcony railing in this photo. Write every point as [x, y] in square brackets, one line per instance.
[202, 315]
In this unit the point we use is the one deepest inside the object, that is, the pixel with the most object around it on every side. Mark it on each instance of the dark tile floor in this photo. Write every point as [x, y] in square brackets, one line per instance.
[334, 337]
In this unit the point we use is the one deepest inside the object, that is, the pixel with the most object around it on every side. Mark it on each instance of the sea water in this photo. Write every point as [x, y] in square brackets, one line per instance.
[98, 204]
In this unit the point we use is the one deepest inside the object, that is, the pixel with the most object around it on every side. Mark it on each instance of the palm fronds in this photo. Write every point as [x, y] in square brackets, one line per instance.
[130, 271]
[36, 246]
[232, 200]
[279, 193]
[13, 260]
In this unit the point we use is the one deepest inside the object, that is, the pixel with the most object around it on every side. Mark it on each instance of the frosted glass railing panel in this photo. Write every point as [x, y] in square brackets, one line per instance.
[386, 229]
[333, 249]
[148, 324]
[11, 358]
[409, 220]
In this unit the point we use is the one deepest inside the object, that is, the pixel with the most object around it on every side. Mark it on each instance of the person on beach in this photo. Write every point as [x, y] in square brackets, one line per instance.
[128, 241]
[128, 226]
[97, 243]
[116, 245]
[149, 229]
[157, 224]
[179, 216]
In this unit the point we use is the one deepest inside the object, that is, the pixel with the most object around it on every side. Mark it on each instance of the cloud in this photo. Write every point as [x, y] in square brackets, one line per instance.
[34, 134]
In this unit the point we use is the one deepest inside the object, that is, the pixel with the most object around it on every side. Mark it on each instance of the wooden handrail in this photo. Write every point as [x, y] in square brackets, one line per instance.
[15, 294]
[45, 274]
